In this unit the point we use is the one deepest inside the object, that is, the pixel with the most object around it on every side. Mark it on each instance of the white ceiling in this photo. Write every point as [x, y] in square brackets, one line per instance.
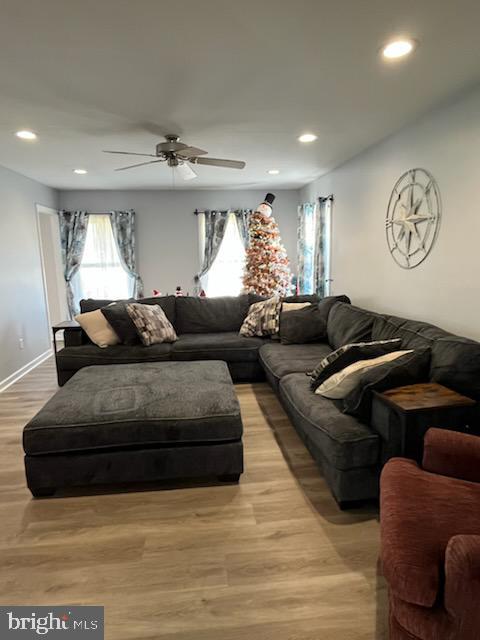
[240, 78]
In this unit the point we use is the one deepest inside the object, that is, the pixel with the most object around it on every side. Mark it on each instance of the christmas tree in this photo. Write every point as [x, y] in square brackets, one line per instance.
[267, 270]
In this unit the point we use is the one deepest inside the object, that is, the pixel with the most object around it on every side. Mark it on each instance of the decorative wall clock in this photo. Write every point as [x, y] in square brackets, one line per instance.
[413, 217]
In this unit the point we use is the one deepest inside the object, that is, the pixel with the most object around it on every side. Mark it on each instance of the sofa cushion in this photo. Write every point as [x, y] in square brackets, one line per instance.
[456, 364]
[210, 315]
[413, 333]
[420, 512]
[141, 405]
[347, 324]
[167, 303]
[300, 326]
[227, 346]
[342, 439]
[411, 368]
[152, 324]
[280, 359]
[347, 355]
[263, 318]
[97, 328]
[117, 315]
[73, 358]
[345, 381]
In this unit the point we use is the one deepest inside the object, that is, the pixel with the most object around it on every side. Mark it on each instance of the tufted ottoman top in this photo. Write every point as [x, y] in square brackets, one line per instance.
[138, 405]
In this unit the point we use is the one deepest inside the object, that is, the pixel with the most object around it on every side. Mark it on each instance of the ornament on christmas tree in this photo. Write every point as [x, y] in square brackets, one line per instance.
[267, 270]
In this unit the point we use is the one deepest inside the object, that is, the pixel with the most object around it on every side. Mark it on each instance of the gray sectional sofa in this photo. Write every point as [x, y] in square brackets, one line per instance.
[350, 453]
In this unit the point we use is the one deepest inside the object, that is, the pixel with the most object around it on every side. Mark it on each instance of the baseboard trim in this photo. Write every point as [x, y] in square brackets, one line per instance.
[7, 382]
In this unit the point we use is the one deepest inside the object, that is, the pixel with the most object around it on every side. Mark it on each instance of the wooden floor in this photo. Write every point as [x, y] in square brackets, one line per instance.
[269, 559]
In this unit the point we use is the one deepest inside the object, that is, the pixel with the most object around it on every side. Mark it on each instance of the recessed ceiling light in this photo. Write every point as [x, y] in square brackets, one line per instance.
[398, 48]
[274, 172]
[307, 137]
[81, 172]
[26, 135]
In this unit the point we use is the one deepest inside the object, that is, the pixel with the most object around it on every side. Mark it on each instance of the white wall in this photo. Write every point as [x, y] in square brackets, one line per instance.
[167, 238]
[22, 312]
[445, 288]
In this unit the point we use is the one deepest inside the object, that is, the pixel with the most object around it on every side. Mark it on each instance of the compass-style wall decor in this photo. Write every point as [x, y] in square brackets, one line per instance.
[413, 217]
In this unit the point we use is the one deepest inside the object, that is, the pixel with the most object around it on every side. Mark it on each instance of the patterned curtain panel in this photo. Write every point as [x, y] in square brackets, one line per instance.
[215, 226]
[73, 233]
[305, 248]
[242, 217]
[321, 277]
[123, 227]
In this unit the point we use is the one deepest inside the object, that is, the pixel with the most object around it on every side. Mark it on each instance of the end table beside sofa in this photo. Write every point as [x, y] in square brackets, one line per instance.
[350, 452]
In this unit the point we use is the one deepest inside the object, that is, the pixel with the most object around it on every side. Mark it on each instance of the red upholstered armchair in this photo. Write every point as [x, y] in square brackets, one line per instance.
[430, 540]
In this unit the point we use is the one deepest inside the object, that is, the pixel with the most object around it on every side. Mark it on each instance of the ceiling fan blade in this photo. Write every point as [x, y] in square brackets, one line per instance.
[130, 153]
[192, 152]
[217, 162]
[185, 171]
[132, 166]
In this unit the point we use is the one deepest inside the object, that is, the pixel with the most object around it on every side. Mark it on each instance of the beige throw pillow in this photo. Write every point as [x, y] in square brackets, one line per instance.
[97, 328]
[340, 384]
[293, 306]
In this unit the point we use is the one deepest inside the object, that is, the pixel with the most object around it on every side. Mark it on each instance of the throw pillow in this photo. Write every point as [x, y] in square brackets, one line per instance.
[118, 317]
[409, 369]
[97, 328]
[152, 324]
[340, 384]
[348, 354]
[294, 306]
[263, 318]
[302, 325]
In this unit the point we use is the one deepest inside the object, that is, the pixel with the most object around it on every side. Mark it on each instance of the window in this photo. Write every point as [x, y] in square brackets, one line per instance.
[313, 247]
[101, 274]
[307, 284]
[225, 277]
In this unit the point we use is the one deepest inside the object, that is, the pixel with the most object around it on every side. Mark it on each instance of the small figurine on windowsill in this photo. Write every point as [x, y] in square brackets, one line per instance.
[179, 291]
[156, 293]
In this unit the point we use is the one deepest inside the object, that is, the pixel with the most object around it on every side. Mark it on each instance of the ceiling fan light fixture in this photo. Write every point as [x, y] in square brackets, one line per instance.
[25, 134]
[307, 137]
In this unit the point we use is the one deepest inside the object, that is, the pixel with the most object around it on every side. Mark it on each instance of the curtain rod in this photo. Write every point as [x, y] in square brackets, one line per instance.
[330, 197]
[232, 209]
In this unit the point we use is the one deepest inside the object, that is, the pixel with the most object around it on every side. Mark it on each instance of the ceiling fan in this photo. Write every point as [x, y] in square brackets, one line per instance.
[180, 156]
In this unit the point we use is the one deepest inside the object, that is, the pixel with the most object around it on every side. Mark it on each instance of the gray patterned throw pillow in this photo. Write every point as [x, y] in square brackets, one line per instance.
[151, 323]
[347, 355]
[263, 318]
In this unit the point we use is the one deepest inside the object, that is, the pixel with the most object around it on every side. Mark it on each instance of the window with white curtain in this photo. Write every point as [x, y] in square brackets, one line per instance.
[225, 277]
[101, 274]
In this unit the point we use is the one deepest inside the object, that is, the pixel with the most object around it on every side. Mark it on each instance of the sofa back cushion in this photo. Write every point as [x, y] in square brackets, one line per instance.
[167, 304]
[413, 333]
[456, 364]
[347, 324]
[455, 361]
[210, 315]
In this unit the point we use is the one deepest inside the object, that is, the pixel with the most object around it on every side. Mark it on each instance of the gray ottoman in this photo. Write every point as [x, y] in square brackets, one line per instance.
[136, 423]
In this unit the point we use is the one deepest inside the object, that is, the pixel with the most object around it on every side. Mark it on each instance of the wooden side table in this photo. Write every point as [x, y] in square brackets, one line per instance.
[408, 412]
[66, 324]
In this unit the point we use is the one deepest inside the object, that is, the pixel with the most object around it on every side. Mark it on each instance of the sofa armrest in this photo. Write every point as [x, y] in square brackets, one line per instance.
[453, 454]
[462, 584]
[75, 337]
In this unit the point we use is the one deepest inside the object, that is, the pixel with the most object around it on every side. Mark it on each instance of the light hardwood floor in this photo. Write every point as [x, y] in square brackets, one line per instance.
[269, 559]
